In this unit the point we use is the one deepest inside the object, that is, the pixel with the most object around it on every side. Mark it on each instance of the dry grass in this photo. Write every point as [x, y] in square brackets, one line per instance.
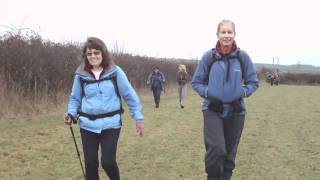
[281, 140]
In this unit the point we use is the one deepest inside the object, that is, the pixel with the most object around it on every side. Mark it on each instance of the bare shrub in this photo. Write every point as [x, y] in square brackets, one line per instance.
[306, 79]
[36, 73]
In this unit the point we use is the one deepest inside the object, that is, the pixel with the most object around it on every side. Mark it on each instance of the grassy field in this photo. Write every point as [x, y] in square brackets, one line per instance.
[281, 141]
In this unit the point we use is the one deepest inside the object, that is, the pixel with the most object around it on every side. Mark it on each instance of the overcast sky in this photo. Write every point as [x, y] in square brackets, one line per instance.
[286, 29]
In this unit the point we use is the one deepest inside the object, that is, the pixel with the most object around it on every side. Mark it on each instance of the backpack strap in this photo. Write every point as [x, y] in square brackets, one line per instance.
[162, 76]
[85, 82]
[116, 88]
[214, 59]
[240, 59]
[93, 117]
[113, 79]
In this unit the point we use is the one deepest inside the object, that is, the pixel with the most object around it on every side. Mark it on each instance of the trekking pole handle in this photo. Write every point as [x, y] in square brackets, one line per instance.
[73, 119]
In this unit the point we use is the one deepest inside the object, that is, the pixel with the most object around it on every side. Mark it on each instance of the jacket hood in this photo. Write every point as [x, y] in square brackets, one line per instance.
[220, 54]
[82, 72]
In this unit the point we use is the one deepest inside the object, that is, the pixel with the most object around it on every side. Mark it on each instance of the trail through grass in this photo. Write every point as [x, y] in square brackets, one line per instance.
[281, 140]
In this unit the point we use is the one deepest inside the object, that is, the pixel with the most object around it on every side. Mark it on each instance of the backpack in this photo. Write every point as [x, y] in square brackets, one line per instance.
[113, 78]
[214, 59]
[182, 77]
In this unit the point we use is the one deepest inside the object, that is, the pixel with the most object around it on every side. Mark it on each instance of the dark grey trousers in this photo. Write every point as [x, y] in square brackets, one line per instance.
[156, 95]
[221, 138]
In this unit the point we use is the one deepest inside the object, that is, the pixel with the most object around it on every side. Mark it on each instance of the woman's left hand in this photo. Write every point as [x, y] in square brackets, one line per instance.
[140, 128]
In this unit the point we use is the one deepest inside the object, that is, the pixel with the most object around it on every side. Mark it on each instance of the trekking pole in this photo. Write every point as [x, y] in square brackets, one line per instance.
[164, 88]
[74, 121]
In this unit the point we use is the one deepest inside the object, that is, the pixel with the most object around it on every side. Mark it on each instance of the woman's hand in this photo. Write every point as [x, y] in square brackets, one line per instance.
[140, 128]
[67, 120]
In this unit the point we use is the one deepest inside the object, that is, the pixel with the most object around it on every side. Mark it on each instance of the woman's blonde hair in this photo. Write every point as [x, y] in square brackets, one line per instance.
[182, 67]
[225, 21]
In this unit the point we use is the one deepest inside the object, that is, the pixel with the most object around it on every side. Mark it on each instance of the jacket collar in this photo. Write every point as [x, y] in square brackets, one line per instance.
[83, 71]
[228, 55]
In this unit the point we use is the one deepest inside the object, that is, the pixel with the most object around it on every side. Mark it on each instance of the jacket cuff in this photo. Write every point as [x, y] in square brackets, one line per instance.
[138, 120]
[206, 92]
[73, 113]
[138, 117]
[244, 94]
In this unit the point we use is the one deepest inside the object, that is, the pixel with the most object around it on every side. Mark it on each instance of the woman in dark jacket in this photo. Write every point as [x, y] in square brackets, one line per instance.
[156, 80]
[224, 77]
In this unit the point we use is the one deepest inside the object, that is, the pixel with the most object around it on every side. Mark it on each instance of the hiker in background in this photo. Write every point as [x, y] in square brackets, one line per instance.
[96, 95]
[276, 79]
[271, 79]
[224, 76]
[268, 77]
[182, 79]
[156, 80]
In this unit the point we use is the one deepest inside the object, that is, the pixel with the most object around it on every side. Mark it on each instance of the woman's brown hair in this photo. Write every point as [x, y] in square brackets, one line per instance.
[98, 44]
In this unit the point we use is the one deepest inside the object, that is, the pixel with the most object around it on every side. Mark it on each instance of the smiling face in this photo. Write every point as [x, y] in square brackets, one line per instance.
[94, 57]
[156, 70]
[226, 33]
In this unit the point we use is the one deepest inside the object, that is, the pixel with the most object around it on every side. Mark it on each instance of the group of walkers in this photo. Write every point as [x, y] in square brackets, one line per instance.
[273, 78]
[224, 76]
[156, 80]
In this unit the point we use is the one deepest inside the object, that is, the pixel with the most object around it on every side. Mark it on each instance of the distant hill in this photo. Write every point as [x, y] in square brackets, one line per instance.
[297, 68]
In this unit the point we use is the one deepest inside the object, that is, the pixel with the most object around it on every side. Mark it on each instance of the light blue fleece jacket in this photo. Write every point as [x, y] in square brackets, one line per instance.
[101, 98]
[218, 87]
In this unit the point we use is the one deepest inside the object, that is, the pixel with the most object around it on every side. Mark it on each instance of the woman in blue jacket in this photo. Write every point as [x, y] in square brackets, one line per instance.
[96, 95]
[224, 76]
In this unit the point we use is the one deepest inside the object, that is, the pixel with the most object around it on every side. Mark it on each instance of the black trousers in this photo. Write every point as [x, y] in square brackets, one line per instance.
[108, 139]
[156, 95]
[221, 138]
